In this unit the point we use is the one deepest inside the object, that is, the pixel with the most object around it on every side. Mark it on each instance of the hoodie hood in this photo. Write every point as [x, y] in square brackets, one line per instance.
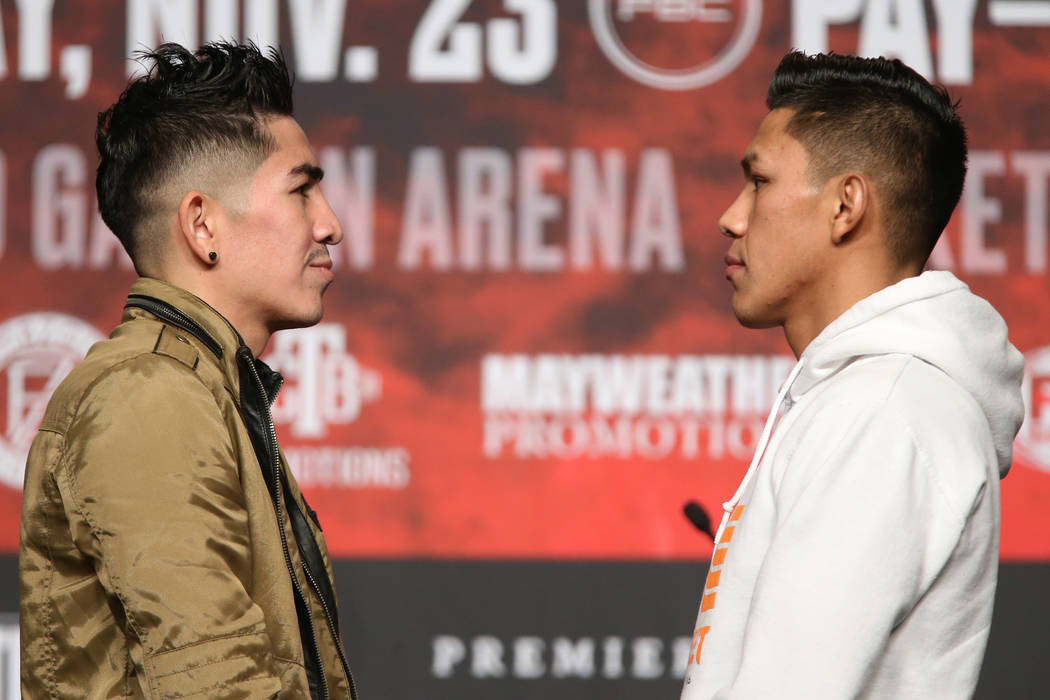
[937, 319]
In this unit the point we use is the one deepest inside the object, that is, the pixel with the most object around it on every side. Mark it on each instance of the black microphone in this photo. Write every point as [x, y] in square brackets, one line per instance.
[698, 517]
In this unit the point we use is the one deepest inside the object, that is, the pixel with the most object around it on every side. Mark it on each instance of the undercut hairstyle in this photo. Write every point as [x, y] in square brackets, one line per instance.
[190, 110]
[880, 118]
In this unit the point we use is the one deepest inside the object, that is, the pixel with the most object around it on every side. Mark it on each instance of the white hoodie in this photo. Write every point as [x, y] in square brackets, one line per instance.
[858, 558]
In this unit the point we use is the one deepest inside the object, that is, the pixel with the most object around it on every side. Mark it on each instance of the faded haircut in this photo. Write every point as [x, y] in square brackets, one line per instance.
[880, 118]
[190, 108]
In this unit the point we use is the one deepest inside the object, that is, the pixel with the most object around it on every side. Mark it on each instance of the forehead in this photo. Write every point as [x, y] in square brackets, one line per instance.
[292, 146]
[772, 143]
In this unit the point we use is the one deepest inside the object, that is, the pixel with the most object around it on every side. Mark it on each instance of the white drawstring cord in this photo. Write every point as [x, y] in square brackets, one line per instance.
[760, 449]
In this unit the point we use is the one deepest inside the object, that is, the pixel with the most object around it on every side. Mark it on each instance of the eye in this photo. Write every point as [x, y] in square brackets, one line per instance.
[304, 189]
[757, 181]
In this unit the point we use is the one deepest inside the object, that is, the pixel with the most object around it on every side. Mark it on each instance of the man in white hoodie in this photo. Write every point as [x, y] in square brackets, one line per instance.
[858, 558]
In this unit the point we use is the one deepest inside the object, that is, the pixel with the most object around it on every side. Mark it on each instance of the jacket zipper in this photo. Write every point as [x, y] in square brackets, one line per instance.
[331, 628]
[276, 470]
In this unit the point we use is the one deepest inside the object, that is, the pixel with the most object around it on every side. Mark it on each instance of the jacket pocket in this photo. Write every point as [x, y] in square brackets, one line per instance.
[239, 666]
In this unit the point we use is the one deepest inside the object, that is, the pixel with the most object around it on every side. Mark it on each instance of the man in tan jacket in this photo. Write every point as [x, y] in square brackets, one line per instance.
[166, 550]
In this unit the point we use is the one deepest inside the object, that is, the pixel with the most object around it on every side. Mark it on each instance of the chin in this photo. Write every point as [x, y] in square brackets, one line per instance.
[300, 320]
[749, 318]
[756, 325]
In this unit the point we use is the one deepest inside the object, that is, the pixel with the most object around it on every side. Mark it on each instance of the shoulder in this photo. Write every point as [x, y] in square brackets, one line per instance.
[900, 405]
[142, 361]
[909, 394]
[896, 386]
[146, 414]
[949, 429]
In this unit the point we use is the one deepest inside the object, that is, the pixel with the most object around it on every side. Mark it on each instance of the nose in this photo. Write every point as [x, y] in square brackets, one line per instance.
[327, 229]
[733, 222]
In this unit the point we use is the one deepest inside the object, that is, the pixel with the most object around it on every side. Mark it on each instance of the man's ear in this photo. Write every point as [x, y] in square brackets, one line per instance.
[853, 198]
[197, 223]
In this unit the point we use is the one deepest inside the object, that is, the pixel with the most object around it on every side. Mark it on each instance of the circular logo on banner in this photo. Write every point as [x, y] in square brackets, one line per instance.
[643, 37]
[1033, 441]
[37, 351]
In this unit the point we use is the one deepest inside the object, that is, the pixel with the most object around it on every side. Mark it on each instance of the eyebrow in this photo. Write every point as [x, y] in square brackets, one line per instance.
[746, 161]
[315, 173]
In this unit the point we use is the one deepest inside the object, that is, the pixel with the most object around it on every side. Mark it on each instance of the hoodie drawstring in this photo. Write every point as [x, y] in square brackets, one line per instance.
[760, 449]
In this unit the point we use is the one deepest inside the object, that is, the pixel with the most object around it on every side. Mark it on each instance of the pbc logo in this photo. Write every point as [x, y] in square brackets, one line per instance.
[1033, 441]
[37, 351]
[325, 384]
[711, 36]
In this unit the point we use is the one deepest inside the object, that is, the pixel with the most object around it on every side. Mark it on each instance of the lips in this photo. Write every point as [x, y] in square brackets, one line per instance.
[733, 264]
[324, 266]
[319, 257]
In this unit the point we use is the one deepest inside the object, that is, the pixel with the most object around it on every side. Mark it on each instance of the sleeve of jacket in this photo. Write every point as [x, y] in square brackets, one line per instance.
[153, 493]
[863, 527]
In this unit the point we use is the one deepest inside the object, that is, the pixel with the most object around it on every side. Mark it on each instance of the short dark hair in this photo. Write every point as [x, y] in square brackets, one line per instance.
[188, 106]
[883, 119]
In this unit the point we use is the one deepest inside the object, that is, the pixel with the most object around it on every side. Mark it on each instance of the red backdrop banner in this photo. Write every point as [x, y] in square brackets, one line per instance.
[528, 350]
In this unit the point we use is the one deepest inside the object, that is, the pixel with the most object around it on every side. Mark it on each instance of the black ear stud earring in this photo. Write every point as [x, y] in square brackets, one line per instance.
[213, 256]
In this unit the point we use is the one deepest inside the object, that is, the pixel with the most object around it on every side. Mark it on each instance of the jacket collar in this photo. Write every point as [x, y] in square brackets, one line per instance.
[211, 328]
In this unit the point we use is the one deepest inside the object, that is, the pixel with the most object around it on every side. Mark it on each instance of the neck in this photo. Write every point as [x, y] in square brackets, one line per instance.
[253, 332]
[254, 335]
[850, 284]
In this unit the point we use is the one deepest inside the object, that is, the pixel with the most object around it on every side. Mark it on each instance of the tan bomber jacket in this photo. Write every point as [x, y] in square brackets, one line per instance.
[163, 539]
